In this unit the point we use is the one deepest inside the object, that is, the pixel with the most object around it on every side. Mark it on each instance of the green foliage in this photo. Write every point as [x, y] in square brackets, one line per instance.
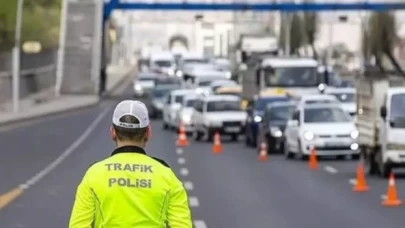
[294, 23]
[41, 20]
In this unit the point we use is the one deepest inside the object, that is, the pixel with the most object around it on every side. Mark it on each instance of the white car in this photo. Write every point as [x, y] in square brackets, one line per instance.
[317, 99]
[144, 84]
[218, 113]
[172, 104]
[326, 127]
[203, 83]
[347, 96]
[185, 112]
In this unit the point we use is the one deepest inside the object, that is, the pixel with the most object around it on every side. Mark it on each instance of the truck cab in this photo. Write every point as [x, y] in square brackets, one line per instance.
[381, 124]
[298, 76]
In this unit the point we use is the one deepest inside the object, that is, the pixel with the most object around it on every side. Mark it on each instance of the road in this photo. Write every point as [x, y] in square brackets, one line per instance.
[231, 189]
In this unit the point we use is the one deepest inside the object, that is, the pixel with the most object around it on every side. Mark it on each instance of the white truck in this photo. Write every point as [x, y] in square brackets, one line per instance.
[380, 122]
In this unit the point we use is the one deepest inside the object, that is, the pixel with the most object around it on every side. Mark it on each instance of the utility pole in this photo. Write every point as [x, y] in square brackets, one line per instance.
[16, 57]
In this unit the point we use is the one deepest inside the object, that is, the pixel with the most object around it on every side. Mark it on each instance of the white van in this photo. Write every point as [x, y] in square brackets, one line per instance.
[163, 62]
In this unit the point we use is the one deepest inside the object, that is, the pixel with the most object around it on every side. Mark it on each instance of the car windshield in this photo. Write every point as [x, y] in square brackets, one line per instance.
[179, 99]
[146, 78]
[344, 97]
[321, 101]
[190, 102]
[281, 113]
[163, 63]
[159, 93]
[204, 83]
[291, 77]
[326, 115]
[397, 114]
[261, 104]
[221, 106]
[196, 61]
[167, 82]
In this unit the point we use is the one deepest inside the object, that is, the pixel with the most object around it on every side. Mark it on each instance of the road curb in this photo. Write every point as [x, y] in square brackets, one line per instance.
[120, 82]
[55, 112]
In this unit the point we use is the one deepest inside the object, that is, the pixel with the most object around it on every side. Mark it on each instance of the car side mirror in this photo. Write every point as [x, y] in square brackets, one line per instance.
[383, 112]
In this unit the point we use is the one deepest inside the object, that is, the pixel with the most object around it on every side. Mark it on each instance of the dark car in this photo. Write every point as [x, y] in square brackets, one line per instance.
[271, 128]
[157, 98]
[168, 81]
[255, 111]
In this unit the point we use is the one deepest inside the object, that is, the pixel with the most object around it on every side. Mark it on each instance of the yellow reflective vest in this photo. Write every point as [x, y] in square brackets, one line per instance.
[130, 189]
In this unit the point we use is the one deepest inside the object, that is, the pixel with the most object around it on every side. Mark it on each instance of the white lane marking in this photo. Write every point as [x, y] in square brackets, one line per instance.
[193, 201]
[352, 181]
[67, 152]
[199, 224]
[181, 161]
[188, 185]
[179, 150]
[184, 171]
[330, 169]
[383, 197]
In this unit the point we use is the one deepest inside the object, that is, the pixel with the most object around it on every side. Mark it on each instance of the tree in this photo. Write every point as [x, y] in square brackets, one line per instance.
[294, 23]
[310, 22]
[381, 39]
[40, 22]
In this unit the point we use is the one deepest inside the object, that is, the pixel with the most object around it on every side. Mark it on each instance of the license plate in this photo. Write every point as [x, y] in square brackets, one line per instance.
[232, 129]
[334, 143]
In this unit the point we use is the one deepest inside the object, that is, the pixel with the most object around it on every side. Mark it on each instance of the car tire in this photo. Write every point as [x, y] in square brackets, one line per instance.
[287, 153]
[197, 135]
[301, 155]
[247, 140]
[165, 126]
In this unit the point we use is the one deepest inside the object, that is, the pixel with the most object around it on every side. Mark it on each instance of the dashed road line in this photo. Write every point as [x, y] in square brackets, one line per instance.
[184, 171]
[200, 224]
[8, 197]
[330, 169]
[352, 181]
[181, 161]
[193, 201]
[179, 151]
[188, 185]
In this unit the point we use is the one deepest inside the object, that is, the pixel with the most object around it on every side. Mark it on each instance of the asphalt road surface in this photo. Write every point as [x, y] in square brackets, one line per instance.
[231, 189]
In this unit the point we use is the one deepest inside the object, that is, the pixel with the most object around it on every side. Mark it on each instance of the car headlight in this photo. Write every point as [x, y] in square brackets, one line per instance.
[179, 73]
[138, 87]
[186, 119]
[354, 134]
[309, 136]
[170, 72]
[276, 132]
[228, 75]
[257, 119]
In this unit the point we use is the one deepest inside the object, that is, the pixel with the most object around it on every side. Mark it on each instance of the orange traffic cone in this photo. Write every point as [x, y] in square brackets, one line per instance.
[217, 147]
[263, 152]
[392, 197]
[361, 185]
[182, 138]
[313, 161]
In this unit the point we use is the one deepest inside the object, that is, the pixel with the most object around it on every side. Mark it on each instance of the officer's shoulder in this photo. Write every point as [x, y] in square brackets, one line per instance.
[161, 161]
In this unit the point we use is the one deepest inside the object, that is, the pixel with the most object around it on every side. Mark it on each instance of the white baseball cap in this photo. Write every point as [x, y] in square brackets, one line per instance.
[136, 109]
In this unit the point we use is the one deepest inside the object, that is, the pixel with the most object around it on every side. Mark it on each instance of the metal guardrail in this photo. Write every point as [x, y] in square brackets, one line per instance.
[38, 70]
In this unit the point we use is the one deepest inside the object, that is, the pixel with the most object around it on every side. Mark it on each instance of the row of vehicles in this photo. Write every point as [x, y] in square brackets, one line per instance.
[288, 105]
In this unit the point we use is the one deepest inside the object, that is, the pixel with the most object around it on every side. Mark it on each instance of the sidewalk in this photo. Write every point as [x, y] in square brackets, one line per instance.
[46, 103]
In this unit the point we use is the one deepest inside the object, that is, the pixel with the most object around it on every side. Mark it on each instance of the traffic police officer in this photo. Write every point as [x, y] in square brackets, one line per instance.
[130, 188]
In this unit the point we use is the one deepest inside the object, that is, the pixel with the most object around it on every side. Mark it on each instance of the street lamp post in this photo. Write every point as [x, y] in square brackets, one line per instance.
[16, 57]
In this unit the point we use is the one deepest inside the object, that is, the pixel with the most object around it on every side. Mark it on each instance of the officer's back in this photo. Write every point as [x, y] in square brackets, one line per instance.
[130, 188]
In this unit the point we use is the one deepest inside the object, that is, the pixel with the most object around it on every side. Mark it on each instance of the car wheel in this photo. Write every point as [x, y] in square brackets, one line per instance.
[197, 135]
[301, 155]
[165, 126]
[247, 140]
[287, 153]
